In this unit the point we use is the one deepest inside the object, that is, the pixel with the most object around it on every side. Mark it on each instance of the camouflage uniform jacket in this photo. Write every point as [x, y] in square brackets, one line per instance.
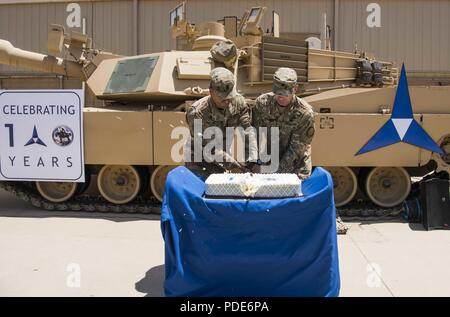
[296, 131]
[237, 114]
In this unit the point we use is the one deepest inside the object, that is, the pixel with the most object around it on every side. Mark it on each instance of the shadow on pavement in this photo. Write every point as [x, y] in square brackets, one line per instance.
[152, 283]
[414, 226]
[417, 227]
[362, 221]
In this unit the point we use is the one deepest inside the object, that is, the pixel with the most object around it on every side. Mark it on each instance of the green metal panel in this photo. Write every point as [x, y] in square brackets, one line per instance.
[131, 75]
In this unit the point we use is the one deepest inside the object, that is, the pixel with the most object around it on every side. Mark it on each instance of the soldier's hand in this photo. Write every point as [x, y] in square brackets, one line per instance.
[253, 166]
[237, 167]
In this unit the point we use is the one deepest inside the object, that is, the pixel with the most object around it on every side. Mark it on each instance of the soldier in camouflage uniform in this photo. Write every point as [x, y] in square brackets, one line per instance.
[295, 119]
[223, 108]
[224, 54]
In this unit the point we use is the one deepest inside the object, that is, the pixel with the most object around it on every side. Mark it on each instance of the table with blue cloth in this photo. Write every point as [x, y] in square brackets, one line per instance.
[249, 247]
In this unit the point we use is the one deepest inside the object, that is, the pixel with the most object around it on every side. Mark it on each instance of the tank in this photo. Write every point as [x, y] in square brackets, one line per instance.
[141, 99]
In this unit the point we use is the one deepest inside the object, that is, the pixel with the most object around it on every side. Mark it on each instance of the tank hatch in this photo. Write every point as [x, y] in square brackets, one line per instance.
[193, 68]
[131, 75]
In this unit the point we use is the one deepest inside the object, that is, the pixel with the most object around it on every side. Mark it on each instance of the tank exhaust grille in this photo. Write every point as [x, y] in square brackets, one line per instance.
[281, 52]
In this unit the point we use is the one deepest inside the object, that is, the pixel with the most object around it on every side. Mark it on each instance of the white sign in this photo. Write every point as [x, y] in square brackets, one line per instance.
[41, 135]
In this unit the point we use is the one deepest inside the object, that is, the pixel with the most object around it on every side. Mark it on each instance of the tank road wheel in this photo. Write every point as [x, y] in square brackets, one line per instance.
[345, 184]
[158, 180]
[56, 192]
[119, 184]
[388, 186]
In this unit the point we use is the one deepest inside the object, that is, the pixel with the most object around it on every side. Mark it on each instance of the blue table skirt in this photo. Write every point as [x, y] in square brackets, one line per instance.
[239, 247]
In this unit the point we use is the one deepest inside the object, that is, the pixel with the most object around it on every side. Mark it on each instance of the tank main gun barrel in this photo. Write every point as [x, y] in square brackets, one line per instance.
[12, 56]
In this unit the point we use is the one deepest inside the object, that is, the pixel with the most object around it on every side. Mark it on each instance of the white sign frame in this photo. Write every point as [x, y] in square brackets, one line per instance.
[22, 125]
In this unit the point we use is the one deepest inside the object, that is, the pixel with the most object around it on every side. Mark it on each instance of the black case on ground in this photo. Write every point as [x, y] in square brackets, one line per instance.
[435, 201]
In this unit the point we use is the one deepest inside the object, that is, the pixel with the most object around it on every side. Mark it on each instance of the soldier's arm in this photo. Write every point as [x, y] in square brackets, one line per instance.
[245, 121]
[192, 116]
[298, 154]
[256, 112]
[245, 116]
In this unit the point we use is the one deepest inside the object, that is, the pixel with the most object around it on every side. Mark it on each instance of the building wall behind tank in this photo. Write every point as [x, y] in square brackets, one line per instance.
[112, 23]
[413, 31]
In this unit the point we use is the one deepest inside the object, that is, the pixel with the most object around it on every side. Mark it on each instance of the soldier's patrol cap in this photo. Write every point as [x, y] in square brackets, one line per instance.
[284, 81]
[224, 52]
[222, 82]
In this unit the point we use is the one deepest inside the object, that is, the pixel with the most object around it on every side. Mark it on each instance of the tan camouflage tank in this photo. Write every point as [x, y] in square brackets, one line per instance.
[143, 98]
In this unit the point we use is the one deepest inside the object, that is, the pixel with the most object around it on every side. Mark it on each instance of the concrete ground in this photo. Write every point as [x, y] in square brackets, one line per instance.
[80, 254]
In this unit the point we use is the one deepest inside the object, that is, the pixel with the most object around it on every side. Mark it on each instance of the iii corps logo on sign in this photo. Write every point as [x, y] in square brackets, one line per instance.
[41, 135]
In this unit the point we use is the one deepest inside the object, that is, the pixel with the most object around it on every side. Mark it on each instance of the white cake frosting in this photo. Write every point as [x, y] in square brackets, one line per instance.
[253, 185]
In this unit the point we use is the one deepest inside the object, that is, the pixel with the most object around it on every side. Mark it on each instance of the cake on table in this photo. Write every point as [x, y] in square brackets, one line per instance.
[250, 185]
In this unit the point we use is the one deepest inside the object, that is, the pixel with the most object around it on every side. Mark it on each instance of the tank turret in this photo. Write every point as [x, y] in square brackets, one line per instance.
[183, 74]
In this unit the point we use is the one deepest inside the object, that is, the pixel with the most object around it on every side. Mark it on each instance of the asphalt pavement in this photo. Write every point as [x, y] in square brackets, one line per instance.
[44, 253]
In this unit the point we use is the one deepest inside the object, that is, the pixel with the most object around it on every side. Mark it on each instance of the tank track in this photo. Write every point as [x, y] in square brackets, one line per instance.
[366, 211]
[82, 202]
[352, 212]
